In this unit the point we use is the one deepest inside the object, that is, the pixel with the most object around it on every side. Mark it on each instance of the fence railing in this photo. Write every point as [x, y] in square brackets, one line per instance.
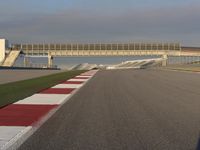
[100, 46]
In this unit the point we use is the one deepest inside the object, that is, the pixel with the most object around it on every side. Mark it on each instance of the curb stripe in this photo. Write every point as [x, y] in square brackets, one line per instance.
[81, 78]
[73, 82]
[73, 79]
[23, 115]
[20, 120]
[44, 99]
[68, 86]
[58, 91]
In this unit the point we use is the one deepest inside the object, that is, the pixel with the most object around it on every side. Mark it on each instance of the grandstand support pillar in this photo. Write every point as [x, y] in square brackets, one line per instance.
[164, 61]
[26, 61]
[50, 61]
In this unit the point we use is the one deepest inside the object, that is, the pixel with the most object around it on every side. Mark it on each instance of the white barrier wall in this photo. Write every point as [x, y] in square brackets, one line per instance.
[3, 43]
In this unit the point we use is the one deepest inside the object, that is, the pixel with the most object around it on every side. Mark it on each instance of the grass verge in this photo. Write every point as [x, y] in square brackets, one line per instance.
[12, 92]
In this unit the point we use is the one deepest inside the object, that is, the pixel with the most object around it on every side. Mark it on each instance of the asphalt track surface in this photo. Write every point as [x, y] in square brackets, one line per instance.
[17, 75]
[126, 110]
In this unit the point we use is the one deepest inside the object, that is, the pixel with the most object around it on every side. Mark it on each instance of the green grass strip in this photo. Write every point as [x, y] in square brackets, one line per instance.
[12, 92]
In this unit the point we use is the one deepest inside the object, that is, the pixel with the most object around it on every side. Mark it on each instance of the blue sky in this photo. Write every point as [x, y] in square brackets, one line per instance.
[100, 20]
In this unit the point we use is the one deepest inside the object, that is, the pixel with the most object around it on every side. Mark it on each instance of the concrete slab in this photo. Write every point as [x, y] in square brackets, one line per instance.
[44, 99]
[11, 135]
[2, 143]
[68, 86]
[8, 132]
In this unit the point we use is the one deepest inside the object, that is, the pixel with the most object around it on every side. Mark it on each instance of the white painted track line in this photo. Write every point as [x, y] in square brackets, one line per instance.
[44, 99]
[83, 76]
[9, 132]
[12, 135]
[68, 86]
[81, 80]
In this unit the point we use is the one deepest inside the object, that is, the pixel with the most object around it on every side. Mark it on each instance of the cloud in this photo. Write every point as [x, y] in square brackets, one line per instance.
[181, 23]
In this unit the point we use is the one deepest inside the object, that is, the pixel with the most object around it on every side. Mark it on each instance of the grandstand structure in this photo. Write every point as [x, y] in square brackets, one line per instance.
[99, 49]
[95, 49]
[103, 49]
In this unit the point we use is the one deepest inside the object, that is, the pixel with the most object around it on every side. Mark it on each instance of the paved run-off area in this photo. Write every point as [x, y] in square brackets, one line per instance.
[7, 76]
[126, 109]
